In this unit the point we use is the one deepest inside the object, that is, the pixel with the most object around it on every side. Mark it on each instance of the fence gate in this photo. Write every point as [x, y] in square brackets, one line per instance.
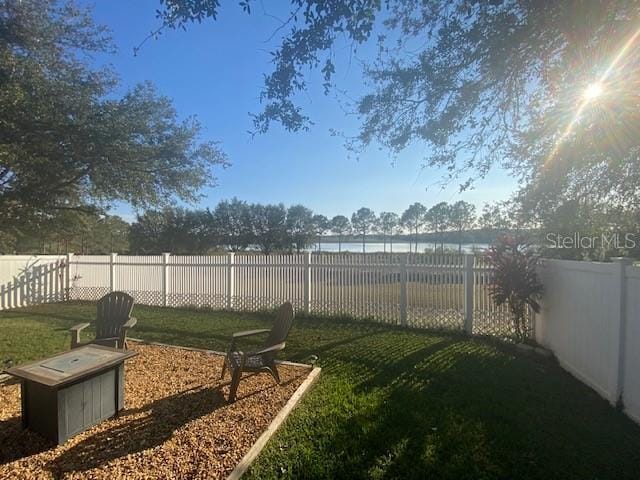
[32, 279]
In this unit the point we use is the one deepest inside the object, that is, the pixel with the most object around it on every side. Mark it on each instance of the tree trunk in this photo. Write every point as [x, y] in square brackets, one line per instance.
[363, 235]
[339, 243]
[459, 242]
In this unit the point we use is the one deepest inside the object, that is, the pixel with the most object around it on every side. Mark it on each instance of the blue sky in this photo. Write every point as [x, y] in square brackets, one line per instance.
[214, 71]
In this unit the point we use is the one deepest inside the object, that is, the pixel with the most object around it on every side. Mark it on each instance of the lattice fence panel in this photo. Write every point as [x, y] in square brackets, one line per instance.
[88, 293]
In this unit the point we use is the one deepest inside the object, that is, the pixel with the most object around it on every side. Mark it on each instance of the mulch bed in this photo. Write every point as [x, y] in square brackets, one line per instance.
[176, 422]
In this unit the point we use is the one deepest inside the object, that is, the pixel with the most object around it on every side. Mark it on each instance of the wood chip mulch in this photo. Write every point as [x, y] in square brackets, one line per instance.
[176, 422]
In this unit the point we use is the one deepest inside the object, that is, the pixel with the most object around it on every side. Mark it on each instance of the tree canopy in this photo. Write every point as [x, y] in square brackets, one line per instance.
[270, 227]
[363, 222]
[413, 218]
[301, 226]
[480, 83]
[67, 141]
[462, 216]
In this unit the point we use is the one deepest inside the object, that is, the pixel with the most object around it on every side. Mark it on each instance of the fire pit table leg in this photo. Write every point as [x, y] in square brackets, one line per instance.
[23, 402]
[119, 388]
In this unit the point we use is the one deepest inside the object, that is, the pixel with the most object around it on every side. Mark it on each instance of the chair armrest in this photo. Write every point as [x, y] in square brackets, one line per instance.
[248, 333]
[273, 348]
[122, 341]
[130, 323]
[75, 333]
[79, 327]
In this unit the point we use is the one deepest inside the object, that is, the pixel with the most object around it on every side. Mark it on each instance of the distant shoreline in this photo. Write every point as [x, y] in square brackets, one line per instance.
[397, 247]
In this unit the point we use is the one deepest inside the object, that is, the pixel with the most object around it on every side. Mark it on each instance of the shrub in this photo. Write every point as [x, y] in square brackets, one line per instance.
[516, 281]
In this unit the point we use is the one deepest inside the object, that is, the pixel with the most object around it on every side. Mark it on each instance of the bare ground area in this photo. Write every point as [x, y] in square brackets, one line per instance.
[176, 423]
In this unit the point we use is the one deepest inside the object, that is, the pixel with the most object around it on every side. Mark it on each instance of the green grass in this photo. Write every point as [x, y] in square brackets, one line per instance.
[395, 403]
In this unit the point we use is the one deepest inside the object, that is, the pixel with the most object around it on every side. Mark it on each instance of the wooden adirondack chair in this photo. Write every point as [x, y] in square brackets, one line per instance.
[262, 360]
[113, 320]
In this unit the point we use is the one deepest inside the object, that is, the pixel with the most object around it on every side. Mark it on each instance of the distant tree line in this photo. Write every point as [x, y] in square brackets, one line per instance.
[235, 225]
[70, 231]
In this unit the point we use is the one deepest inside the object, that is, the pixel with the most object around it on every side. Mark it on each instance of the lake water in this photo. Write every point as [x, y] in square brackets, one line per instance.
[398, 247]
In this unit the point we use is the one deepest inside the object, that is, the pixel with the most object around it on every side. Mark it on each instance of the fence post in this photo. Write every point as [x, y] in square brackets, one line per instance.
[112, 272]
[165, 279]
[307, 282]
[11, 293]
[620, 325]
[231, 291]
[33, 277]
[21, 292]
[67, 278]
[28, 290]
[403, 289]
[468, 292]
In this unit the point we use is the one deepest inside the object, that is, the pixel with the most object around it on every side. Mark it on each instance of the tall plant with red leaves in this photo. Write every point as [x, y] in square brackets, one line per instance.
[516, 282]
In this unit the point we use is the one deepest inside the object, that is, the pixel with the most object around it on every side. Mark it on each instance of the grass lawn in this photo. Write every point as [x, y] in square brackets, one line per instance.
[395, 403]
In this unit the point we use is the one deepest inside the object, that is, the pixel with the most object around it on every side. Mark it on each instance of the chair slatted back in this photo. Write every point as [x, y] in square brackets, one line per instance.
[114, 309]
[281, 326]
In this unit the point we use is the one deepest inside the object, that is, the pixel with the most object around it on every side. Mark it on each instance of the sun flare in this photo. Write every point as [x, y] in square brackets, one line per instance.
[593, 91]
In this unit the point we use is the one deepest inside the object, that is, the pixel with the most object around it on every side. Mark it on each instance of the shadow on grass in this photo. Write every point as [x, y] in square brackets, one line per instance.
[46, 315]
[451, 408]
[321, 348]
[424, 424]
[303, 339]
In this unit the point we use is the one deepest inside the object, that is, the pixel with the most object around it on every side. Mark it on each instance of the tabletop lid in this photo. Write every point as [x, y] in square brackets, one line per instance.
[71, 365]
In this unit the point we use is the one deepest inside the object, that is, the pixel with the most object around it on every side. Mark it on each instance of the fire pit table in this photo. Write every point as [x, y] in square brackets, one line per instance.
[70, 392]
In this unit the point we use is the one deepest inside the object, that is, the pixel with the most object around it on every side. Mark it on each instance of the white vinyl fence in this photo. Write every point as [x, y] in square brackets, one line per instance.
[31, 279]
[591, 321]
[416, 290]
[590, 314]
